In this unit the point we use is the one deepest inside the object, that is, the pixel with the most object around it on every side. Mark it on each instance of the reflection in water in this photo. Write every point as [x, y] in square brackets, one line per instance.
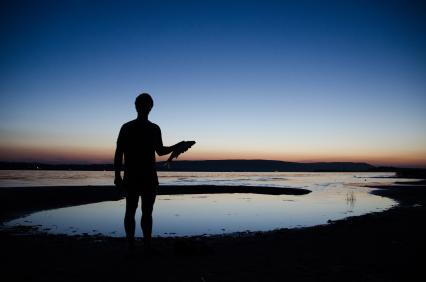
[350, 199]
[334, 196]
[14, 178]
[183, 215]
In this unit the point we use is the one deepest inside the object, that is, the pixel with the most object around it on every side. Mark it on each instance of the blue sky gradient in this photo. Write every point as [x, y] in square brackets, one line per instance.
[297, 81]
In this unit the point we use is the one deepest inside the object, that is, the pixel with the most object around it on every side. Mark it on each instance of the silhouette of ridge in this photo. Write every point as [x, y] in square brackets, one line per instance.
[210, 165]
[267, 166]
[232, 165]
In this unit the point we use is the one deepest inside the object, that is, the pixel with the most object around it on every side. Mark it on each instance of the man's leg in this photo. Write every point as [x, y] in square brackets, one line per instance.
[148, 200]
[129, 219]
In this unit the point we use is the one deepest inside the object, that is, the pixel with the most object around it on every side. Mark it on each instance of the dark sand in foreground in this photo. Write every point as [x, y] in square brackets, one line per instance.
[386, 246]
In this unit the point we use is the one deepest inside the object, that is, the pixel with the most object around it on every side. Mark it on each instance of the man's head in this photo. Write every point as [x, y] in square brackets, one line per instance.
[144, 104]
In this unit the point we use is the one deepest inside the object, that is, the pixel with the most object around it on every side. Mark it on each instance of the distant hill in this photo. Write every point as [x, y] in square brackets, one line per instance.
[209, 165]
[264, 166]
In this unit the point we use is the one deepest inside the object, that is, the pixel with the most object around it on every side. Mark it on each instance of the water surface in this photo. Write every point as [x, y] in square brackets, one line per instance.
[334, 196]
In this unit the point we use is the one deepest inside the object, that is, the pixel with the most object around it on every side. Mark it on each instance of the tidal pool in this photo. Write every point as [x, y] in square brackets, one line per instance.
[334, 196]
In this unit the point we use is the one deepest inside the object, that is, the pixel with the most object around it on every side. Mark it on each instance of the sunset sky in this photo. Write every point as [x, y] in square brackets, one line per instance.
[292, 81]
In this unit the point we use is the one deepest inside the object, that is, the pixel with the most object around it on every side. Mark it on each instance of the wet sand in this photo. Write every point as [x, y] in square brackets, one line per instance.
[386, 246]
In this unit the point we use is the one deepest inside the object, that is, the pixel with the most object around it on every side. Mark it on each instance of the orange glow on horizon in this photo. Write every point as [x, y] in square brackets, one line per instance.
[57, 155]
[87, 155]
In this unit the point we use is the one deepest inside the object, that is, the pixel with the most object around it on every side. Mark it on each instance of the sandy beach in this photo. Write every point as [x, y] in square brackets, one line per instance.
[384, 246]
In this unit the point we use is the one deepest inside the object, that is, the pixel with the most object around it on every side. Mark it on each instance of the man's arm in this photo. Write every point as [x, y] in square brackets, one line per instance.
[118, 161]
[160, 148]
[164, 150]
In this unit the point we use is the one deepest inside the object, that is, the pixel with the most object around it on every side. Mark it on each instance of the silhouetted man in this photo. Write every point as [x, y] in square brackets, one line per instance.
[138, 141]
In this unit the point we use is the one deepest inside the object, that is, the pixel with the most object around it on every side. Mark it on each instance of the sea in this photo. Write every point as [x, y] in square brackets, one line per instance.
[334, 196]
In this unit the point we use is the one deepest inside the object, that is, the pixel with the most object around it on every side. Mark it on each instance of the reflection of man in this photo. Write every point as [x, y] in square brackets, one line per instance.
[138, 141]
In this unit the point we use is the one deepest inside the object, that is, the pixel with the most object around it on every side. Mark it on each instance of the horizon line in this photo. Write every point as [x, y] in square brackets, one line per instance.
[56, 163]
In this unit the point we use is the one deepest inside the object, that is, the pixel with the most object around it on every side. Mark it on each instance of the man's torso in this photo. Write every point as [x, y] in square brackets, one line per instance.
[139, 139]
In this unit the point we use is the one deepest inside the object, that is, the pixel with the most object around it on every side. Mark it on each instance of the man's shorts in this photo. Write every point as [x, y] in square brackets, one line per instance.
[140, 189]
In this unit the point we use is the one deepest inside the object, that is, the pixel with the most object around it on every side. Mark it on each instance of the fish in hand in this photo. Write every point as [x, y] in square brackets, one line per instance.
[182, 147]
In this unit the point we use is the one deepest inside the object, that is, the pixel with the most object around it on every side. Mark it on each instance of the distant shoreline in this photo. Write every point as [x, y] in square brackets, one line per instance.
[233, 166]
[223, 166]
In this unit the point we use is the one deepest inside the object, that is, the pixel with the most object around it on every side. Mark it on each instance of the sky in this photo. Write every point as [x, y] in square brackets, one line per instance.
[283, 80]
